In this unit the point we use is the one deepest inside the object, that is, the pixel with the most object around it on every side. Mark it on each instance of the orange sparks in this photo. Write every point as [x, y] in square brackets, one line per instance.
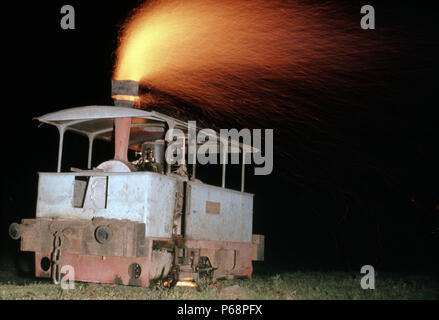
[169, 36]
[235, 58]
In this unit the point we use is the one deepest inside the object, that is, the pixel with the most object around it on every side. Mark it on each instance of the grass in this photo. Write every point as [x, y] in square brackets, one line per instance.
[266, 284]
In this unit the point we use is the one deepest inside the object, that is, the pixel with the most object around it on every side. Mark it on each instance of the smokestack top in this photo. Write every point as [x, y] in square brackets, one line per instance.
[125, 92]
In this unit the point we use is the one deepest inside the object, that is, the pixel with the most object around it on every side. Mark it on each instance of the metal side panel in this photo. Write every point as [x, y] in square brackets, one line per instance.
[142, 197]
[160, 205]
[218, 214]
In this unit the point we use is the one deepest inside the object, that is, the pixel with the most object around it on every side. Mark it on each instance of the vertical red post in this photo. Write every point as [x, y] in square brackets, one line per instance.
[121, 137]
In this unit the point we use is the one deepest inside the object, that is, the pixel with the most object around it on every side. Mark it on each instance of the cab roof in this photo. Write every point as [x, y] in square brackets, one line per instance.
[96, 122]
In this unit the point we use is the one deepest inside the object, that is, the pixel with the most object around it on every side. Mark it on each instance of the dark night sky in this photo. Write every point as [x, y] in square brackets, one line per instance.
[381, 214]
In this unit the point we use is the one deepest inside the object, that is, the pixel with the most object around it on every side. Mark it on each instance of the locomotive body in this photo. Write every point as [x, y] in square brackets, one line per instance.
[119, 224]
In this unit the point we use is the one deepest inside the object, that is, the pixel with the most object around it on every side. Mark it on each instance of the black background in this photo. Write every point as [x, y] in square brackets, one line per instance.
[392, 211]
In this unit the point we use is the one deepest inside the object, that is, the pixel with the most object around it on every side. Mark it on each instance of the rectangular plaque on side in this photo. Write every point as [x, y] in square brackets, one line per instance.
[213, 207]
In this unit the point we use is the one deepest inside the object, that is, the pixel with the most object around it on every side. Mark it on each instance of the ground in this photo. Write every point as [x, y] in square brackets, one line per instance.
[267, 283]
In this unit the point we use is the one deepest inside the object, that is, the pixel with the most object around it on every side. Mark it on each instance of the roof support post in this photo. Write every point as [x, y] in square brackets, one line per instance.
[91, 139]
[243, 170]
[224, 160]
[60, 146]
[170, 126]
[192, 147]
[194, 170]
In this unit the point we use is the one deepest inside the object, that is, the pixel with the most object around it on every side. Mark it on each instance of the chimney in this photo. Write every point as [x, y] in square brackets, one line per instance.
[125, 94]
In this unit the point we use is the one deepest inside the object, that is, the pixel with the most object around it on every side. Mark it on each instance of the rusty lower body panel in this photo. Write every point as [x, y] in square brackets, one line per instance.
[117, 252]
[99, 236]
[228, 259]
[101, 269]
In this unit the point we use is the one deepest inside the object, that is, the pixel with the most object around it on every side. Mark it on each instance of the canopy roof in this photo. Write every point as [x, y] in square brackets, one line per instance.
[96, 122]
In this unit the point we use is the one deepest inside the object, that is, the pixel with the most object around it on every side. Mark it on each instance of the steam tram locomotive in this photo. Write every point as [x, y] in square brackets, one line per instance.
[135, 222]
